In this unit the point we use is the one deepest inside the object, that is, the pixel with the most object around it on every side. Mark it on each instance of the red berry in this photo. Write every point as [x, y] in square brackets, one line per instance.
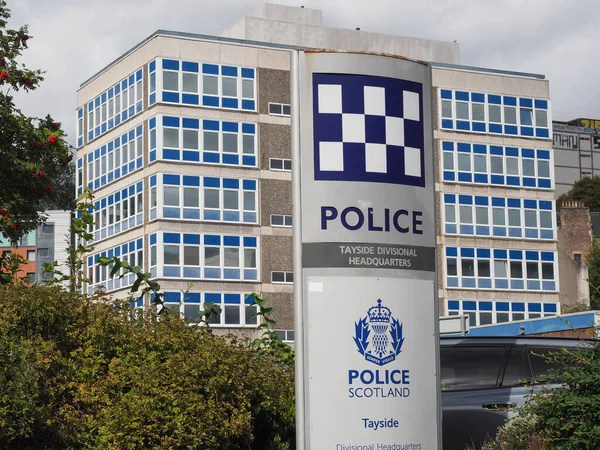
[41, 174]
[35, 144]
[4, 76]
[48, 189]
[52, 139]
[54, 126]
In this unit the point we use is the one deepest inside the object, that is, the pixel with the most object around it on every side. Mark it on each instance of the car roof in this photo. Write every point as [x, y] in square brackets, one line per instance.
[502, 340]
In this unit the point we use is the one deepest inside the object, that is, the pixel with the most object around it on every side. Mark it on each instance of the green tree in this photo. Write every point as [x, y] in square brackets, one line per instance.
[586, 190]
[592, 260]
[78, 373]
[34, 156]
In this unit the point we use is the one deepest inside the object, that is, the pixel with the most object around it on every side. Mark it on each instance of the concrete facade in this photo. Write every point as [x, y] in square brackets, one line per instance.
[303, 27]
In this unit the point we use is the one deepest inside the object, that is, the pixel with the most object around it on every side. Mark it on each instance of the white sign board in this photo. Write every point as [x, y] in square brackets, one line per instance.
[365, 267]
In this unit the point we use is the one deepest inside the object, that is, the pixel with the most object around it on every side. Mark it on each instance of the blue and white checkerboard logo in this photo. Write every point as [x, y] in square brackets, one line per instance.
[368, 128]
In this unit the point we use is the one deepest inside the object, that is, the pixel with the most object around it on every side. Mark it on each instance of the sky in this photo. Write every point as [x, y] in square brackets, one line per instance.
[73, 39]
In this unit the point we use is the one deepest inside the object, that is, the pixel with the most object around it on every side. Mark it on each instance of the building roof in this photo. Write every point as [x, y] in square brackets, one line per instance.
[250, 43]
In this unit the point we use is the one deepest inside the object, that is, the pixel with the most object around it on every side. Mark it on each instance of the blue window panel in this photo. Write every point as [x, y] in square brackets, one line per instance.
[467, 252]
[212, 298]
[171, 154]
[526, 131]
[526, 102]
[514, 203]
[79, 142]
[170, 97]
[543, 154]
[153, 155]
[250, 217]
[103, 128]
[97, 102]
[453, 304]
[131, 80]
[117, 120]
[191, 239]
[153, 239]
[532, 256]
[212, 125]
[138, 163]
[190, 99]
[450, 229]
[248, 105]
[448, 124]
[515, 232]
[512, 181]
[249, 161]
[550, 308]
[192, 297]
[170, 64]
[547, 234]
[229, 103]
[131, 111]
[97, 131]
[152, 99]
[174, 272]
[534, 307]
[449, 198]
[483, 253]
[459, 95]
[452, 282]
[132, 135]
[444, 93]
[171, 238]
[497, 179]
[478, 97]
[249, 185]
[478, 126]
[172, 297]
[152, 123]
[467, 229]
[484, 283]
[169, 121]
[482, 230]
[191, 272]
[103, 180]
[80, 113]
[462, 125]
[212, 215]
[231, 241]
[548, 285]
[117, 88]
[465, 177]
[248, 128]
[529, 182]
[96, 184]
[193, 124]
[212, 69]
[533, 285]
[191, 156]
[483, 201]
[530, 204]
[447, 145]
[494, 99]
[499, 231]
[527, 153]
[232, 299]
[465, 199]
[469, 283]
[469, 305]
[511, 129]
[512, 151]
[209, 157]
[485, 306]
[90, 106]
[541, 104]
[103, 98]
[518, 307]
[231, 159]
[231, 183]
[138, 75]
[463, 147]
[229, 71]
[171, 213]
[212, 239]
[542, 132]
[516, 254]
[172, 179]
[131, 167]
[212, 182]
[124, 116]
[111, 123]
[531, 233]
[191, 181]
[231, 216]
[547, 256]
[544, 183]
[451, 251]
[502, 306]
[208, 100]
[498, 201]
[479, 148]
[247, 73]
[231, 127]
[495, 128]
[187, 66]
[517, 284]
[512, 101]
[449, 176]
[192, 214]
[231, 274]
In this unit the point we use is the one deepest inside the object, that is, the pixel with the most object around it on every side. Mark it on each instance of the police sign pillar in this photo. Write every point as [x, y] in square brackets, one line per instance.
[366, 313]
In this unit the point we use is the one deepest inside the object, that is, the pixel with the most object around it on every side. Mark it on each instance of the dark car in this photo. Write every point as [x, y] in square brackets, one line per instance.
[484, 378]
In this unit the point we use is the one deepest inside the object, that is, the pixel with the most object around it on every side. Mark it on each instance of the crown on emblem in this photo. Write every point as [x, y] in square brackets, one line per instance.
[379, 314]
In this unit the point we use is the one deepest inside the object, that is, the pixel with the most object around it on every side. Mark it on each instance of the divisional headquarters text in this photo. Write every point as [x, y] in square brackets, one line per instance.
[409, 446]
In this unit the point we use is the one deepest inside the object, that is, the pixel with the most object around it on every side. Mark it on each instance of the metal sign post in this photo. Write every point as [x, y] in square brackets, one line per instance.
[364, 253]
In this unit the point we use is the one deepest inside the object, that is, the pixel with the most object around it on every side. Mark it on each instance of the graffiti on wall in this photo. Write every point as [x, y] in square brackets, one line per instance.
[566, 141]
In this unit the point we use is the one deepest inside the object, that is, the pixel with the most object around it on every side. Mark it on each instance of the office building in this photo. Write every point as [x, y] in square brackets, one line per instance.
[185, 141]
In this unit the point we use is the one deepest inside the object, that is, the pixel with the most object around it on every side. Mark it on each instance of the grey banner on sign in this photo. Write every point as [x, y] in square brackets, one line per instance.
[367, 255]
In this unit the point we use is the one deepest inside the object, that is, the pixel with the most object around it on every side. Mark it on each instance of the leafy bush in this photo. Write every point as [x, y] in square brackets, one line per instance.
[79, 372]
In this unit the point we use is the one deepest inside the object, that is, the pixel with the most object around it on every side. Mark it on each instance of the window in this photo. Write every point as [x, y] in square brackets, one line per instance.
[281, 220]
[190, 82]
[517, 368]
[279, 109]
[280, 164]
[30, 277]
[48, 228]
[285, 335]
[282, 277]
[31, 255]
[577, 258]
[470, 367]
[131, 252]
[486, 312]
[119, 212]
